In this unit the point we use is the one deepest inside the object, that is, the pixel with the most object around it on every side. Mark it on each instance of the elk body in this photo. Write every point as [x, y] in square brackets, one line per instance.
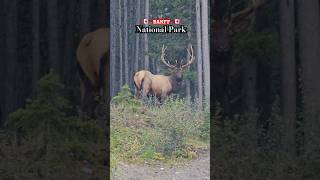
[93, 64]
[142, 80]
[160, 85]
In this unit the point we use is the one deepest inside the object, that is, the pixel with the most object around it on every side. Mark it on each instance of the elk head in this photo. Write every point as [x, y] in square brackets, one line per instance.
[177, 71]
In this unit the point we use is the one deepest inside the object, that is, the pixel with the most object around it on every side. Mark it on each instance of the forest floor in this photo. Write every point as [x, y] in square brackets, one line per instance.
[197, 169]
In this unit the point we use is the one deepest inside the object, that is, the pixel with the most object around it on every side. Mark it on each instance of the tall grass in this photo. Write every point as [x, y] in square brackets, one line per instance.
[144, 131]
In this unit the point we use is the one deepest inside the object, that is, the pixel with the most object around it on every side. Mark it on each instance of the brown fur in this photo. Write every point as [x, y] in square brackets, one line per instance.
[159, 85]
[142, 81]
[162, 85]
[93, 56]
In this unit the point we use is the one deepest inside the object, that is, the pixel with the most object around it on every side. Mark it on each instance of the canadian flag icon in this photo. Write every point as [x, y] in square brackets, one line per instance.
[145, 21]
[176, 21]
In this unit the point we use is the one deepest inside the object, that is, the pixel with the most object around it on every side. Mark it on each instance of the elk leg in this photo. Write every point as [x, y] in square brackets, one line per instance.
[145, 93]
[145, 90]
[85, 98]
[104, 77]
[158, 101]
[88, 102]
[137, 93]
[163, 97]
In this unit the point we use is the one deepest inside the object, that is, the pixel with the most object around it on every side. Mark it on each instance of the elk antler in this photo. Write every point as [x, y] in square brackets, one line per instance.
[191, 58]
[163, 60]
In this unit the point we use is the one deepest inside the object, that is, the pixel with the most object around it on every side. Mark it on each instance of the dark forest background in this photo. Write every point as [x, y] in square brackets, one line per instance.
[37, 36]
[266, 86]
[41, 135]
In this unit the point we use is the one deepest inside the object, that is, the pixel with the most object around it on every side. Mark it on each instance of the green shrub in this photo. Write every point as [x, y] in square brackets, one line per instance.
[126, 98]
[42, 141]
[204, 128]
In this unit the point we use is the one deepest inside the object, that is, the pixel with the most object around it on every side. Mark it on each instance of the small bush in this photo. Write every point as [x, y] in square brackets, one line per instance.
[126, 98]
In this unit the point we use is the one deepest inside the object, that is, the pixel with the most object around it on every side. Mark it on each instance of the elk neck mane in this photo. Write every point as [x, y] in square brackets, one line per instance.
[174, 82]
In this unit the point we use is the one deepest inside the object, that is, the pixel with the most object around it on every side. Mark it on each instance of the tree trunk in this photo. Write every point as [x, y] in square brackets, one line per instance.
[69, 56]
[125, 27]
[53, 36]
[113, 46]
[131, 42]
[205, 49]
[199, 53]
[35, 44]
[188, 82]
[137, 47]
[120, 45]
[308, 26]
[157, 69]
[146, 45]
[84, 17]
[3, 66]
[250, 83]
[101, 15]
[188, 93]
[287, 35]
[11, 56]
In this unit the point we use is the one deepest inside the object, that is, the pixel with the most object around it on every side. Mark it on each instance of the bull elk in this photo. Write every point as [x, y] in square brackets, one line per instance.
[160, 85]
[93, 64]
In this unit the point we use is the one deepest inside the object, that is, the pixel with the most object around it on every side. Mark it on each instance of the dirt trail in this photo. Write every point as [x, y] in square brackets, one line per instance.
[198, 169]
